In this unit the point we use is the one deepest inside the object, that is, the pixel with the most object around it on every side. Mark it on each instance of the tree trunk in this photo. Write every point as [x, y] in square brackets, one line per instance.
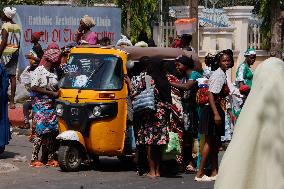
[193, 5]
[128, 17]
[276, 40]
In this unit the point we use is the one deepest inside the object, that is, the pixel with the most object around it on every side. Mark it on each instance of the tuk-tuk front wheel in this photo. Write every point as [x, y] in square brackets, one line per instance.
[69, 157]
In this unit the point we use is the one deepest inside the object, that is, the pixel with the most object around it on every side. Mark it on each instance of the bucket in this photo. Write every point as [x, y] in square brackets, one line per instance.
[186, 26]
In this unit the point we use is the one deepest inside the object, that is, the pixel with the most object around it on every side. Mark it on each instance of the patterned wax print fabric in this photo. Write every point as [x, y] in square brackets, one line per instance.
[41, 77]
[244, 74]
[176, 115]
[154, 129]
[43, 105]
[44, 115]
[11, 52]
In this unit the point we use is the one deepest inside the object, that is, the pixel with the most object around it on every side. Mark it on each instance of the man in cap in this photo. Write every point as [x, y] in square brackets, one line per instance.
[9, 47]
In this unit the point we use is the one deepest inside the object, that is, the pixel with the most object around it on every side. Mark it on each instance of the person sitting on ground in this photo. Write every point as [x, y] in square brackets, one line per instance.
[9, 48]
[84, 33]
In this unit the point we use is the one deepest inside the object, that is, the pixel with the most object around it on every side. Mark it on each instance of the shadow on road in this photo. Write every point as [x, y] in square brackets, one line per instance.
[114, 165]
[8, 155]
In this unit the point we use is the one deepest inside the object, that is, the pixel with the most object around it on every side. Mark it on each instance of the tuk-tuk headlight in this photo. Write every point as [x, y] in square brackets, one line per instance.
[97, 111]
[59, 109]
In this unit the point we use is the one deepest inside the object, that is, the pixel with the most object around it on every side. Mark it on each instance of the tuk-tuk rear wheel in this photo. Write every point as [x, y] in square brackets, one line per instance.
[69, 157]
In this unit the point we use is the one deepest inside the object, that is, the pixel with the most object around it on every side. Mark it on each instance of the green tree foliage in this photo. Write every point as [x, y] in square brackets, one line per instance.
[141, 14]
[21, 2]
[265, 14]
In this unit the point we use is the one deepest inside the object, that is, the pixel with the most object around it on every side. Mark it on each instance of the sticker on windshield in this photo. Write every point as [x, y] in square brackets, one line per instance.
[70, 68]
[80, 81]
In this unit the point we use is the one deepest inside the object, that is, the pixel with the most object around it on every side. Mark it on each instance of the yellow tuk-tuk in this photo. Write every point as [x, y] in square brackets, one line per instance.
[92, 107]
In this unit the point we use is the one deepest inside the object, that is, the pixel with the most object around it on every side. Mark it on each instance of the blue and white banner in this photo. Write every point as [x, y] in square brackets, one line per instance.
[60, 23]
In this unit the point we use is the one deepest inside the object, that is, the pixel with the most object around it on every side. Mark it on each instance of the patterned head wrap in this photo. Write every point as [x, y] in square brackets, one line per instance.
[10, 12]
[250, 51]
[88, 21]
[51, 55]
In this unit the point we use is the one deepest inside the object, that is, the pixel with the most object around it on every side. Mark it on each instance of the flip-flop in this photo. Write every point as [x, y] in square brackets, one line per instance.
[36, 164]
[12, 106]
[190, 169]
[214, 178]
[203, 179]
[52, 163]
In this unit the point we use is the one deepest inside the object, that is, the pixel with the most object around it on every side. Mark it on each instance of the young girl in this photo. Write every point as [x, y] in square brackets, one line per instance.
[212, 122]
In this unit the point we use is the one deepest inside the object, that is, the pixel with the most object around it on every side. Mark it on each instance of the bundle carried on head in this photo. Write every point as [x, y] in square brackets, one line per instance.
[88, 21]
[10, 12]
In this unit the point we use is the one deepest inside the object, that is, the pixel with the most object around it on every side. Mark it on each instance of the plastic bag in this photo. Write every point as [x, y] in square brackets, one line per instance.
[173, 148]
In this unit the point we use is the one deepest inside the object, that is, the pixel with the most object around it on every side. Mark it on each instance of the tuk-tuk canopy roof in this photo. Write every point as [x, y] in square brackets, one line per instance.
[135, 53]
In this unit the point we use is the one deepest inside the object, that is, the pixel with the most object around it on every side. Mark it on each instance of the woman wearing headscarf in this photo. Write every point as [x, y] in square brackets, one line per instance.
[124, 41]
[44, 84]
[84, 33]
[154, 130]
[254, 159]
[243, 81]
[9, 48]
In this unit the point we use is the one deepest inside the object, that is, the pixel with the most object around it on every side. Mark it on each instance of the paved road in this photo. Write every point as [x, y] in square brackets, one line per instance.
[112, 175]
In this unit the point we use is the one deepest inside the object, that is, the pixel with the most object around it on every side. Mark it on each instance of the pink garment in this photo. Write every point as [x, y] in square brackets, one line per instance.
[91, 38]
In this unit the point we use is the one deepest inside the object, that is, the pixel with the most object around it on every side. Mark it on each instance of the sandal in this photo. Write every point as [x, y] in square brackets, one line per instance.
[214, 178]
[26, 126]
[52, 163]
[190, 169]
[12, 106]
[203, 179]
[36, 164]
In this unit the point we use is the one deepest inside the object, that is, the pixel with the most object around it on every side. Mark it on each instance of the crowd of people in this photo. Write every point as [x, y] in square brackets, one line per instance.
[199, 105]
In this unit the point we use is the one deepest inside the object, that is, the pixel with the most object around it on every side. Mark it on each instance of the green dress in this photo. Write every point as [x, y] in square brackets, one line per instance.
[244, 74]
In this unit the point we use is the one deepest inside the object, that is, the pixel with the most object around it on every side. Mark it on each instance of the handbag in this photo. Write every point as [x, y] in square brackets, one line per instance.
[145, 101]
[173, 147]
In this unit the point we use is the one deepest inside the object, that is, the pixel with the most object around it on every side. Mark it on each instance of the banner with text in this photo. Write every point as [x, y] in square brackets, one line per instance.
[60, 24]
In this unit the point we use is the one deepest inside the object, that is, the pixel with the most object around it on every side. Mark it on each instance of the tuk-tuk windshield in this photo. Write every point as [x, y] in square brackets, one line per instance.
[92, 71]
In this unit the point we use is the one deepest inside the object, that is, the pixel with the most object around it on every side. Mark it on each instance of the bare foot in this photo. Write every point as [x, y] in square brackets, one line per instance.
[151, 175]
[214, 173]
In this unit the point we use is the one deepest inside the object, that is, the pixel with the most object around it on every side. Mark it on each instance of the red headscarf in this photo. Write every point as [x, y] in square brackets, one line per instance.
[37, 35]
[51, 55]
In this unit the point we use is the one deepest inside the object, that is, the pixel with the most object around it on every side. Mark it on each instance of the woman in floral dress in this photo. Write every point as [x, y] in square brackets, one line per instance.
[154, 130]
[176, 116]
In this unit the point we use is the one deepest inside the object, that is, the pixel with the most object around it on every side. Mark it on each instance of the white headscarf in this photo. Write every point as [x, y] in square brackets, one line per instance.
[10, 12]
[255, 156]
[141, 44]
[124, 41]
